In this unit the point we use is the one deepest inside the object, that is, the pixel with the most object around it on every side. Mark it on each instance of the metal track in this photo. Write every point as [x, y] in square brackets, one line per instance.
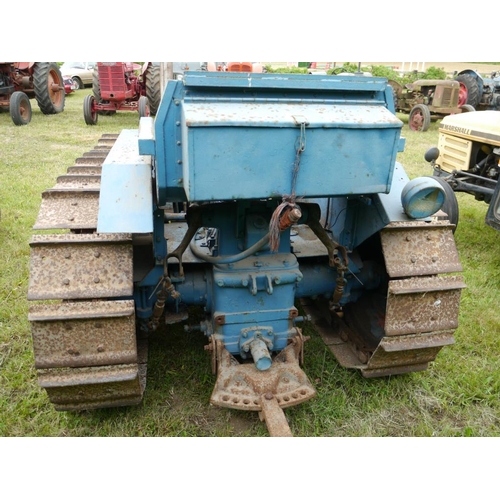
[402, 328]
[87, 352]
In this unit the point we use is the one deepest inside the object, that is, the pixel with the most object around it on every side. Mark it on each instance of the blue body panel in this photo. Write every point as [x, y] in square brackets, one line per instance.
[226, 145]
[252, 148]
[126, 196]
[241, 144]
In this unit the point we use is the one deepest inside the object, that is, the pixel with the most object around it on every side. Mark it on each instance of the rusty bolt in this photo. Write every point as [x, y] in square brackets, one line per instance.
[269, 396]
[97, 254]
[413, 260]
[67, 255]
[96, 280]
[100, 348]
[362, 356]
[408, 238]
[66, 281]
[294, 215]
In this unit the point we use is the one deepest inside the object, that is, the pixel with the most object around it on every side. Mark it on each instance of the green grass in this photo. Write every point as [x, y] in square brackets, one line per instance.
[457, 396]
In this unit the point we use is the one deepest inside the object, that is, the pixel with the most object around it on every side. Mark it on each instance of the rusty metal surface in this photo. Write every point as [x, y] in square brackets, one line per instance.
[274, 417]
[89, 161]
[72, 389]
[427, 304]
[419, 248]
[241, 386]
[393, 355]
[408, 353]
[76, 334]
[80, 266]
[96, 153]
[87, 353]
[78, 182]
[84, 170]
[68, 209]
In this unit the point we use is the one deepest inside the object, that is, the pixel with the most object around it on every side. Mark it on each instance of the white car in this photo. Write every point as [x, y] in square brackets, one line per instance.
[80, 72]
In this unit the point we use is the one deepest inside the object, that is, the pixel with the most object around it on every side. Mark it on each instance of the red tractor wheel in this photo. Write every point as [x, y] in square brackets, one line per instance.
[49, 88]
[420, 118]
[20, 108]
[463, 94]
[90, 110]
[143, 106]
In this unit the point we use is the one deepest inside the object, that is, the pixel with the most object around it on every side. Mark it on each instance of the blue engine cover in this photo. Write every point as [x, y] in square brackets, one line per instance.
[242, 145]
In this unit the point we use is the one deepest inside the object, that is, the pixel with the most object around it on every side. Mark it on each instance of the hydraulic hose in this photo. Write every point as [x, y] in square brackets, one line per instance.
[230, 259]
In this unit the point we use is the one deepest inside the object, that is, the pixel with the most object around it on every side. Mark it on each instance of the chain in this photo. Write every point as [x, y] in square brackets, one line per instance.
[287, 212]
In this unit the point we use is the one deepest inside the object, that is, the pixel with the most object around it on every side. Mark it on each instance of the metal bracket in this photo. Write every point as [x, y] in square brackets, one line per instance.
[241, 386]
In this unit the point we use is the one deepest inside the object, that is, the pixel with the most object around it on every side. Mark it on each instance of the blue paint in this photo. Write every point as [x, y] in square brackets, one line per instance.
[227, 143]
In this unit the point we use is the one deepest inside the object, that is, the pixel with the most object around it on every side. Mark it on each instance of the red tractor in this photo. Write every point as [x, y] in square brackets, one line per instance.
[123, 86]
[21, 81]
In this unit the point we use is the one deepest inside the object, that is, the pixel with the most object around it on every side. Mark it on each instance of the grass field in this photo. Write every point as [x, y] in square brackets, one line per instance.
[456, 396]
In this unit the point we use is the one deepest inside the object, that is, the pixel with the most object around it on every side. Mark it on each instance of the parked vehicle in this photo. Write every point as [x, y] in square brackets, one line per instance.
[482, 93]
[123, 86]
[69, 85]
[291, 190]
[425, 100]
[80, 72]
[467, 160]
[21, 81]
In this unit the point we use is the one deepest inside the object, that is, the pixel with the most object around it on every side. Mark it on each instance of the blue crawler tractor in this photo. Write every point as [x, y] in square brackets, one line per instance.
[263, 201]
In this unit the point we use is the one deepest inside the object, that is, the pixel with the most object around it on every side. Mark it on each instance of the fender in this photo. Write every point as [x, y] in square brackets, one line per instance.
[126, 195]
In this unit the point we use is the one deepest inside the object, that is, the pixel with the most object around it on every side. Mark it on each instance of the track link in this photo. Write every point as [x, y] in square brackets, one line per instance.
[86, 348]
[402, 328]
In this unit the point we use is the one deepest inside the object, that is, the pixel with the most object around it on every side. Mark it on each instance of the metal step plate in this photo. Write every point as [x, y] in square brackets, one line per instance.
[78, 182]
[68, 209]
[88, 161]
[80, 266]
[75, 334]
[405, 354]
[427, 304]
[88, 388]
[419, 248]
[84, 170]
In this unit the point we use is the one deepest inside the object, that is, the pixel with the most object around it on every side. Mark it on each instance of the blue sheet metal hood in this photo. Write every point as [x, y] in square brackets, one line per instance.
[233, 150]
